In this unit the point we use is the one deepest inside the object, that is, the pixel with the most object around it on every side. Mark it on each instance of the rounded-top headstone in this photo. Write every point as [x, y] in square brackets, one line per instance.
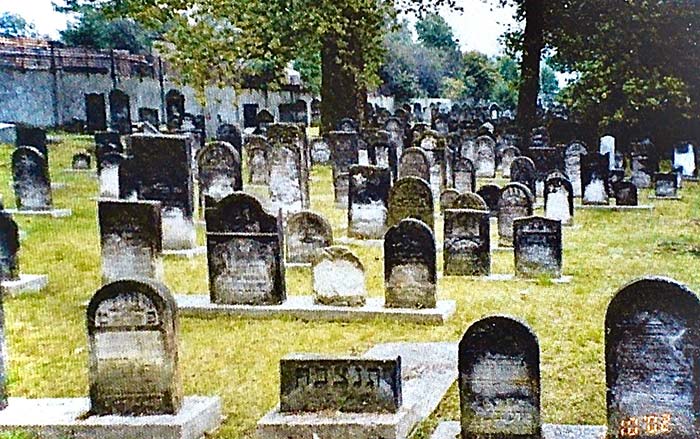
[470, 200]
[239, 213]
[307, 234]
[339, 277]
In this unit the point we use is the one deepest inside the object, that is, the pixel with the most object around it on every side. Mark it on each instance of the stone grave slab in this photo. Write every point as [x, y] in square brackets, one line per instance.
[27, 283]
[428, 371]
[641, 207]
[304, 308]
[188, 253]
[54, 213]
[450, 430]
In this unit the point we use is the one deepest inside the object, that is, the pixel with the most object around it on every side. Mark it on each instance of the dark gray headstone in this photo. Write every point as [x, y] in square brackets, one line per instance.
[467, 243]
[464, 174]
[538, 247]
[81, 161]
[559, 200]
[119, 112]
[312, 383]
[95, 112]
[27, 135]
[626, 194]
[485, 160]
[230, 133]
[219, 170]
[594, 178]
[344, 148]
[133, 336]
[258, 150]
[490, 193]
[306, 234]
[516, 202]
[499, 381]
[31, 181]
[652, 352]
[411, 197]
[149, 115]
[131, 239]
[572, 164]
[523, 171]
[410, 266]
[368, 201]
[665, 185]
[174, 109]
[9, 253]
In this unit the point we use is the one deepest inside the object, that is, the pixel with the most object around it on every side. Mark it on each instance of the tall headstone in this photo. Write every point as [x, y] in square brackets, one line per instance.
[538, 247]
[31, 181]
[344, 146]
[607, 146]
[119, 112]
[338, 278]
[465, 175]
[572, 164]
[244, 252]
[108, 174]
[227, 132]
[410, 276]
[219, 170]
[523, 171]
[508, 154]
[499, 381]
[485, 161]
[411, 197]
[559, 200]
[652, 352]
[174, 109]
[368, 201]
[133, 336]
[307, 233]
[684, 158]
[644, 163]
[414, 163]
[288, 168]
[95, 112]
[131, 239]
[258, 160]
[594, 178]
[467, 243]
[9, 255]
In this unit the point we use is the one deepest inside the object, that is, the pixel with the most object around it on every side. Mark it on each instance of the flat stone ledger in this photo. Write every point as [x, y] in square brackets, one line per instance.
[131, 239]
[132, 332]
[245, 269]
[427, 372]
[368, 199]
[451, 430]
[651, 353]
[25, 283]
[467, 243]
[311, 383]
[338, 278]
[538, 247]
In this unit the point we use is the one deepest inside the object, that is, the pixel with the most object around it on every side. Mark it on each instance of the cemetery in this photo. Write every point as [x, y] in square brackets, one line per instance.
[218, 260]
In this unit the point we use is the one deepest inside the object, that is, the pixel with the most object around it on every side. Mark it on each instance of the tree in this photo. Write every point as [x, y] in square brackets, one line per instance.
[479, 75]
[94, 30]
[435, 33]
[13, 25]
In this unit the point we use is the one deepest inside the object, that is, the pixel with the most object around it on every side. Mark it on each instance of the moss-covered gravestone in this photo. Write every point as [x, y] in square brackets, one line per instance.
[30, 178]
[467, 246]
[538, 247]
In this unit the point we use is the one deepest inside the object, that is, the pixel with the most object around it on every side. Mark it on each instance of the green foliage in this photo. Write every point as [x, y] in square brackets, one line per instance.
[434, 33]
[479, 75]
[94, 30]
[309, 66]
[13, 25]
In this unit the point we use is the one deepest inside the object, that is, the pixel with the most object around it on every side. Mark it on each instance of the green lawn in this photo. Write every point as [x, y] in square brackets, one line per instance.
[238, 359]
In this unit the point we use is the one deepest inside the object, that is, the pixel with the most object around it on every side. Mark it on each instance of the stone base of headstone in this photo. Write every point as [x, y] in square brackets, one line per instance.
[674, 198]
[297, 264]
[54, 213]
[65, 417]
[345, 240]
[27, 283]
[89, 172]
[614, 208]
[188, 253]
[691, 179]
[496, 247]
[58, 185]
[451, 430]
[428, 371]
[513, 278]
[304, 308]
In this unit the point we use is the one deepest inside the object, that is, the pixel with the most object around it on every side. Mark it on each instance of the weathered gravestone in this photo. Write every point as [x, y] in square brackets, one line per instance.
[81, 161]
[684, 158]
[172, 185]
[244, 252]
[258, 160]
[9, 250]
[95, 112]
[307, 233]
[516, 202]
[644, 163]
[227, 132]
[27, 135]
[439, 160]
[594, 178]
[320, 152]
[490, 193]
[131, 239]
[339, 278]
[133, 335]
[572, 164]
[31, 182]
[411, 197]
[119, 112]
[263, 119]
[467, 243]
[464, 174]
[410, 266]
[108, 173]
[344, 153]
[448, 199]
[368, 199]
[652, 351]
[499, 381]
[485, 160]
[559, 200]
[219, 170]
[607, 146]
[414, 163]
[546, 160]
[174, 109]
[523, 171]
[312, 383]
[626, 194]
[149, 115]
[470, 200]
[289, 177]
[665, 185]
[614, 177]
[508, 154]
[107, 142]
[538, 247]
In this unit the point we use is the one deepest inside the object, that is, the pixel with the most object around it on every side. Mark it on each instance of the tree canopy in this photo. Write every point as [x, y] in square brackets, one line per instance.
[94, 30]
[13, 25]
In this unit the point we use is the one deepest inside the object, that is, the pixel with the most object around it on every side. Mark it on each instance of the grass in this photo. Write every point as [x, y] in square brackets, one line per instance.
[238, 359]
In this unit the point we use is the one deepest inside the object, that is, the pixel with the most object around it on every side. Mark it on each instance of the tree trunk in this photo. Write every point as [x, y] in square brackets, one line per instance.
[533, 43]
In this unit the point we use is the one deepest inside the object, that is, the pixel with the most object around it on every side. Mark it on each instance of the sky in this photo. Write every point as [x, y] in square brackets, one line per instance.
[477, 28]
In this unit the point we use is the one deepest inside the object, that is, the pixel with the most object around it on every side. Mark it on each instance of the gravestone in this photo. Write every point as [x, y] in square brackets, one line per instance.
[338, 278]
[470, 200]
[174, 109]
[31, 182]
[652, 349]
[258, 160]
[81, 161]
[347, 124]
[344, 146]
[467, 243]
[523, 171]
[411, 197]
[108, 173]
[559, 200]
[644, 163]
[312, 383]
[289, 178]
[448, 199]
[131, 239]
[320, 152]
[490, 193]
[95, 112]
[546, 160]
[499, 381]
[227, 132]
[508, 154]
[465, 175]
[626, 194]
[119, 112]
[684, 158]
[410, 266]
[515, 202]
[614, 176]
[244, 252]
[665, 185]
[219, 170]
[572, 164]
[368, 199]
[264, 119]
[107, 142]
[149, 115]
[307, 234]
[607, 146]
[538, 247]
[594, 178]
[133, 335]
[414, 163]
[485, 160]
[9, 257]
[27, 135]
